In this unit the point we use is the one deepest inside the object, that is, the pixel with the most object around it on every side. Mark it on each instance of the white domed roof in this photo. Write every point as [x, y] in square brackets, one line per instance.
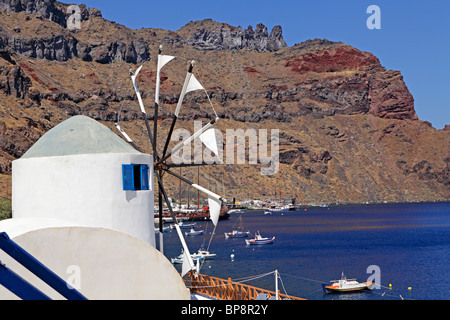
[78, 135]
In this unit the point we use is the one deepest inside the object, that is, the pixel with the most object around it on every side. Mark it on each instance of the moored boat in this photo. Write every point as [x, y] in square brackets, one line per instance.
[203, 254]
[179, 259]
[236, 234]
[193, 232]
[237, 211]
[239, 233]
[184, 225]
[260, 240]
[346, 285]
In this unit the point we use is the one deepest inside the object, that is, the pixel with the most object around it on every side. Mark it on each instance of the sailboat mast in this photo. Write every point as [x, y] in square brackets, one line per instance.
[188, 196]
[179, 196]
[276, 285]
[198, 191]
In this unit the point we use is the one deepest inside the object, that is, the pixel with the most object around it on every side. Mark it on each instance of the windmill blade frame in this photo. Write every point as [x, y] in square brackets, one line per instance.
[160, 165]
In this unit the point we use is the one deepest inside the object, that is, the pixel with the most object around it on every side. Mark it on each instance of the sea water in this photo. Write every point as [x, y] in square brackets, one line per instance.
[404, 247]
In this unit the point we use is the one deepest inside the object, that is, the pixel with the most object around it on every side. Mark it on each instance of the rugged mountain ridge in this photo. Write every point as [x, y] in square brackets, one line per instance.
[206, 35]
[209, 35]
[348, 128]
[63, 44]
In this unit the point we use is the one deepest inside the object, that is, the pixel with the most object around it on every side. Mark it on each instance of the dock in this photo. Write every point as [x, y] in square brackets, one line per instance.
[226, 289]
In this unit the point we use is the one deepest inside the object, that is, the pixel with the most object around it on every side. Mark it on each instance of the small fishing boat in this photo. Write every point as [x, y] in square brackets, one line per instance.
[187, 225]
[346, 285]
[193, 232]
[279, 208]
[203, 254]
[184, 225]
[237, 211]
[260, 240]
[165, 229]
[179, 259]
[240, 233]
[236, 234]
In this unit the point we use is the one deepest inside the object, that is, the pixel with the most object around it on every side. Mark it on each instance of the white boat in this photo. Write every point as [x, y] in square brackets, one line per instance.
[203, 254]
[237, 233]
[346, 285]
[193, 232]
[237, 211]
[179, 259]
[260, 240]
[165, 229]
[184, 225]
[283, 208]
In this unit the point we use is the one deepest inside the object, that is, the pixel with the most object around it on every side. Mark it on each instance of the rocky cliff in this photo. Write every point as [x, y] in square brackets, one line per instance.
[210, 35]
[41, 39]
[348, 128]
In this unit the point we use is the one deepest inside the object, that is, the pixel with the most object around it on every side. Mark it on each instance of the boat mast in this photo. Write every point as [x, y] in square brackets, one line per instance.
[198, 191]
[179, 196]
[276, 284]
[188, 196]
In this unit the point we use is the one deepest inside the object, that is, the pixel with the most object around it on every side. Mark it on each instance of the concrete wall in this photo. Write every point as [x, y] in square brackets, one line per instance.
[101, 263]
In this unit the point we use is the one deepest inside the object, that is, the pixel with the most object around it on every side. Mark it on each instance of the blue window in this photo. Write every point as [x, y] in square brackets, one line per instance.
[135, 177]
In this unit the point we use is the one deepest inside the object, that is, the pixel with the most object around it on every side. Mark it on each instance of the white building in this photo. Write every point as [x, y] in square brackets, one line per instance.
[80, 171]
[82, 202]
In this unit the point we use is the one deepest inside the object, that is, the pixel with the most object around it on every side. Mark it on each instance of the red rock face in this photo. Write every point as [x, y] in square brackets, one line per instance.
[389, 97]
[353, 81]
[336, 59]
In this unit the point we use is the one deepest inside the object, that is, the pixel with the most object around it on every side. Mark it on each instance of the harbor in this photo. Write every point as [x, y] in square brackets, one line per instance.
[313, 247]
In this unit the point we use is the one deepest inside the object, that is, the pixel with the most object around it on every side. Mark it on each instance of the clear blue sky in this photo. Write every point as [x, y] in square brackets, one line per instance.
[414, 37]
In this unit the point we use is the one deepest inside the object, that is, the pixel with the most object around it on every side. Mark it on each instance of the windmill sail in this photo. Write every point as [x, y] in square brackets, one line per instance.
[195, 135]
[136, 88]
[127, 137]
[214, 209]
[218, 200]
[185, 268]
[209, 140]
[194, 85]
[205, 134]
[188, 263]
[183, 90]
[163, 60]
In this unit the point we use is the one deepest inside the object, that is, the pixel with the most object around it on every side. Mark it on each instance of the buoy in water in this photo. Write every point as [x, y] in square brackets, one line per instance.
[390, 286]
[409, 288]
[232, 256]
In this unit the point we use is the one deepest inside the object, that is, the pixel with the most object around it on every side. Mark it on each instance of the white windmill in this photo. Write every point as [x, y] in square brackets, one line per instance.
[161, 165]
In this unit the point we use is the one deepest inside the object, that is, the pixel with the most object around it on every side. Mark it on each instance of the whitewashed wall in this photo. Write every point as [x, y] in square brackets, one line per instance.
[85, 189]
[101, 263]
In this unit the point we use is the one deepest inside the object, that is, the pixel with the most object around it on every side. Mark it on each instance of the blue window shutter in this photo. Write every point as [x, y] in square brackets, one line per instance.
[128, 179]
[144, 177]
